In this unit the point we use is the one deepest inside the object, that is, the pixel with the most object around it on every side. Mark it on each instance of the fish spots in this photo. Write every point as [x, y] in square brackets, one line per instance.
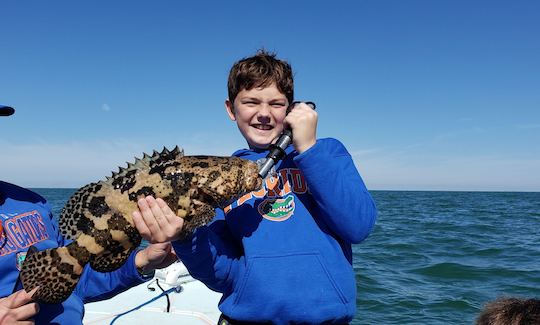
[90, 243]
[142, 192]
[73, 209]
[118, 222]
[125, 180]
[200, 164]
[55, 271]
[80, 253]
[160, 166]
[97, 206]
[213, 175]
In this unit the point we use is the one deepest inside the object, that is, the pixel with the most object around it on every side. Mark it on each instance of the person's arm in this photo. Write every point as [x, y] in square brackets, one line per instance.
[209, 254]
[344, 203]
[18, 308]
[342, 198]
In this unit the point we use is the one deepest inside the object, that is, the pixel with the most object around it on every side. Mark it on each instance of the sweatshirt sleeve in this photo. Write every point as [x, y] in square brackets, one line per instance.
[211, 253]
[343, 200]
[95, 286]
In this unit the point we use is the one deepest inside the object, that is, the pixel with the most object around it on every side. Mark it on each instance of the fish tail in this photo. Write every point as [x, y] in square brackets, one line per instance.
[55, 271]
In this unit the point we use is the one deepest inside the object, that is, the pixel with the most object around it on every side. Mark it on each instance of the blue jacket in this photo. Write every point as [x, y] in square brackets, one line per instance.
[283, 254]
[27, 220]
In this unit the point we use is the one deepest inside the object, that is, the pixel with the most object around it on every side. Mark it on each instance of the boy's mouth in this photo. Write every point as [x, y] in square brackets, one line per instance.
[262, 126]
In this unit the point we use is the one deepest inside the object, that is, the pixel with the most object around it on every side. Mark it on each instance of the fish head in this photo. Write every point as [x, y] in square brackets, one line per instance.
[221, 180]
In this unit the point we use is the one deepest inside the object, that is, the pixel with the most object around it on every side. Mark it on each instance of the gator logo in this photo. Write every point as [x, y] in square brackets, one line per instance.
[20, 260]
[277, 209]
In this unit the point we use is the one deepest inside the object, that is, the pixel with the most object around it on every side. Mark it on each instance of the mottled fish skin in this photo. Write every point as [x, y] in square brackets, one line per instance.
[98, 216]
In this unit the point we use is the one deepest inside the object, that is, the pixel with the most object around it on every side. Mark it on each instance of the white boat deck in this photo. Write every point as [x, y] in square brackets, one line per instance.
[191, 302]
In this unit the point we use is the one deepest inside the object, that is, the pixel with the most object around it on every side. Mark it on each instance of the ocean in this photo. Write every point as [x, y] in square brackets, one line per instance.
[438, 257]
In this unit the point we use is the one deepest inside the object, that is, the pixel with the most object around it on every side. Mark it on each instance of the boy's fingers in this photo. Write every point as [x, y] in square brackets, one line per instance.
[157, 212]
[169, 214]
[140, 224]
[148, 216]
[143, 205]
[33, 292]
[27, 311]
[20, 298]
[163, 205]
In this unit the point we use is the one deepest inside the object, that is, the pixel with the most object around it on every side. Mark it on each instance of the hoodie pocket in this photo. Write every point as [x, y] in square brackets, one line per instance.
[292, 283]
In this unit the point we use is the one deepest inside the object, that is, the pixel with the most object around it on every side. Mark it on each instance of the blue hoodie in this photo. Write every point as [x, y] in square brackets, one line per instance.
[27, 220]
[283, 254]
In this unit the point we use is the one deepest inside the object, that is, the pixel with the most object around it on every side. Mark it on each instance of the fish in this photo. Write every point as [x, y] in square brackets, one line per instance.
[97, 217]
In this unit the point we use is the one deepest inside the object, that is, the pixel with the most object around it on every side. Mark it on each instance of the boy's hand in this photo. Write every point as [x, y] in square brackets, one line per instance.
[156, 222]
[303, 122]
[18, 308]
[155, 256]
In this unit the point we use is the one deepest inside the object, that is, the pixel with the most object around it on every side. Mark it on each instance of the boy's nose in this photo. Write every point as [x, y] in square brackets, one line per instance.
[263, 118]
[263, 114]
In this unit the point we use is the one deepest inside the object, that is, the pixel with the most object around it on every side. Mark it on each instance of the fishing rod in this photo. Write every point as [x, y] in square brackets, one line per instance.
[277, 149]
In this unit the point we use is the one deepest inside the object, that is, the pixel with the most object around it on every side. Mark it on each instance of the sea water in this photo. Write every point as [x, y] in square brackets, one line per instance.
[437, 257]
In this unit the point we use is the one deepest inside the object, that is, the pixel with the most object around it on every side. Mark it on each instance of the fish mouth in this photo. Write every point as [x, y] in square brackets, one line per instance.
[207, 197]
[251, 181]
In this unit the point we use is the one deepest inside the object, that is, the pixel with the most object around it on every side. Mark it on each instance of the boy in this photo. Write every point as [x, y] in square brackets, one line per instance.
[26, 220]
[281, 254]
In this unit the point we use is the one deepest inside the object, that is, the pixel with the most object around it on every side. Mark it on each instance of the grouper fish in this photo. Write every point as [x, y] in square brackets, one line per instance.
[98, 216]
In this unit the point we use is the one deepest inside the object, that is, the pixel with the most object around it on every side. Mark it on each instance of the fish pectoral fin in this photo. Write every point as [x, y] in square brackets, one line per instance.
[110, 261]
[54, 271]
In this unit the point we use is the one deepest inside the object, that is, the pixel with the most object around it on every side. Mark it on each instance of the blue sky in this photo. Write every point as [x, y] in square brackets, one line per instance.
[426, 95]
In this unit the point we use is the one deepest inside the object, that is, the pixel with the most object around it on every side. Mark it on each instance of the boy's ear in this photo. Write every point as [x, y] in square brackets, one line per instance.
[229, 106]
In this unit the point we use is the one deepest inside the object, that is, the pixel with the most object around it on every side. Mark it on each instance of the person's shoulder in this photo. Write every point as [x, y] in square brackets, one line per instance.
[241, 152]
[330, 142]
[332, 145]
[19, 193]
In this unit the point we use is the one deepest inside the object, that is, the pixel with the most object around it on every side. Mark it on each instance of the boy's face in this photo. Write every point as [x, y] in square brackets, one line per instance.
[259, 114]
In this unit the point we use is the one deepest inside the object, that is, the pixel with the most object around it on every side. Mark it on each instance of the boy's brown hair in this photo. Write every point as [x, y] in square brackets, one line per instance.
[261, 70]
[510, 311]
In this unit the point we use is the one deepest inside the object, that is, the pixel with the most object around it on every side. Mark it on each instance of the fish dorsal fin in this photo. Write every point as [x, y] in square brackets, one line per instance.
[165, 155]
[157, 157]
[146, 161]
[177, 151]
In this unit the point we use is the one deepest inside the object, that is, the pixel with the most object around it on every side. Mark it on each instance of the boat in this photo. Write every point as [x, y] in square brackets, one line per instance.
[171, 297]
